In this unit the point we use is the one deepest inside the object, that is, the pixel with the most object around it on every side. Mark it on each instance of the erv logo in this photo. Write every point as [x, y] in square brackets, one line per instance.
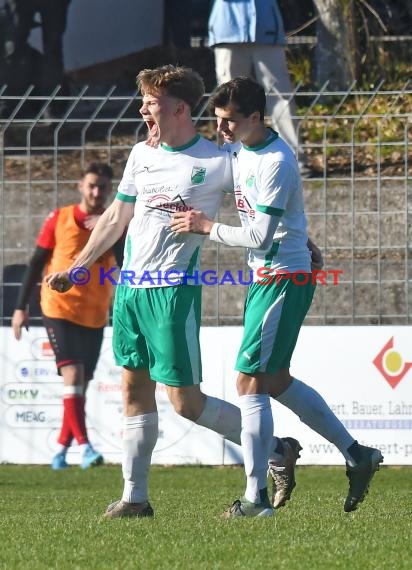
[391, 364]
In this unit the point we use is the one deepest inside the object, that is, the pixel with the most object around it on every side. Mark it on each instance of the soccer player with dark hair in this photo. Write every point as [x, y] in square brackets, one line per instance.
[75, 321]
[269, 198]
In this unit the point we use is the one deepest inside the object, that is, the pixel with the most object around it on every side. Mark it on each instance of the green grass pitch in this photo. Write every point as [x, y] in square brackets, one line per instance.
[53, 520]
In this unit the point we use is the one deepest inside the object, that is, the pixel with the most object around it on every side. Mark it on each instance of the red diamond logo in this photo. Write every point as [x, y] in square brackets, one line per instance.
[391, 365]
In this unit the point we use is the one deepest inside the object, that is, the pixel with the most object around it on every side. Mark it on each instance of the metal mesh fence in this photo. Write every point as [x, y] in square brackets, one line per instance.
[358, 195]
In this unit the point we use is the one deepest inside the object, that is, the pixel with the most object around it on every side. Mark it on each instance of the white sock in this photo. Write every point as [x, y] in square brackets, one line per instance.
[62, 449]
[257, 438]
[274, 455]
[83, 447]
[139, 439]
[221, 417]
[312, 409]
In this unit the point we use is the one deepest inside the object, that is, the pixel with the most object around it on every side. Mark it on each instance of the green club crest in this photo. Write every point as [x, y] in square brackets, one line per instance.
[250, 180]
[198, 175]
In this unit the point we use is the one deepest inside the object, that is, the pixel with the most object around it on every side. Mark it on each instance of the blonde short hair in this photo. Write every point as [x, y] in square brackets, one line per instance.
[176, 81]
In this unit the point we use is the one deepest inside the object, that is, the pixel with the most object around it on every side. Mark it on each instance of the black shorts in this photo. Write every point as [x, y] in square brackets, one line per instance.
[74, 344]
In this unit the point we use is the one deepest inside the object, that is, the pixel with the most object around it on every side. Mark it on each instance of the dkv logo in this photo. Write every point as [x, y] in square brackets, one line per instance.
[391, 364]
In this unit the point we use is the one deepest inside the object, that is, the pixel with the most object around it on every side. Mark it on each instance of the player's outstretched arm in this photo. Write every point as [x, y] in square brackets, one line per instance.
[107, 231]
[193, 221]
[258, 235]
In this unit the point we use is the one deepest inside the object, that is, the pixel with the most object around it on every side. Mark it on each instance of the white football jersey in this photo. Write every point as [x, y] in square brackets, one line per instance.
[267, 179]
[162, 181]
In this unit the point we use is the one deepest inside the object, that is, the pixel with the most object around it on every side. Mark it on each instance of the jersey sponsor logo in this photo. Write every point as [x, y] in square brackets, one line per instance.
[243, 204]
[169, 205]
[158, 189]
[198, 175]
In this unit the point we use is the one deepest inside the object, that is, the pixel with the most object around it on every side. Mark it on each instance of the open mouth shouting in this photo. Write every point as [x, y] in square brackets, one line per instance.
[153, 136]
[151, 126]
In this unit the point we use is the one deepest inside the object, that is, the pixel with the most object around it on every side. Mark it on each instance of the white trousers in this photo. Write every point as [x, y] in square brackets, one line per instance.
[267, 65]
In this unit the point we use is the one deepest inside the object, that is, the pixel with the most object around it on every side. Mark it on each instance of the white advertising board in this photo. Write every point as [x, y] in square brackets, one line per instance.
[364, 373]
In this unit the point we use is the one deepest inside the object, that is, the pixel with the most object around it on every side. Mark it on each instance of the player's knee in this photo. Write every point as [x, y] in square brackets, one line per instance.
[188, 402]
[188, 406]
[186, 409]
[279, 382]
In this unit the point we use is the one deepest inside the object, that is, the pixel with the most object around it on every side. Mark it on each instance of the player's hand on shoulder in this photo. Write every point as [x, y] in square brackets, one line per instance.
[59, 282]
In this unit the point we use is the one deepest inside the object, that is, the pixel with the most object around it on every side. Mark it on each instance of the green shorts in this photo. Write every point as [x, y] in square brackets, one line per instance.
[158, 329]
[273, 316]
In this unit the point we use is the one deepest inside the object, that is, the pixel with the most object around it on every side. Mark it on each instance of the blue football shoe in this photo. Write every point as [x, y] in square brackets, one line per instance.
[91, 458]
[59, 462]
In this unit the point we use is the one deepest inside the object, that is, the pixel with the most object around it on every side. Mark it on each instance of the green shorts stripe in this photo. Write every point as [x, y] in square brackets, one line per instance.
[274, 314]
[157, 328]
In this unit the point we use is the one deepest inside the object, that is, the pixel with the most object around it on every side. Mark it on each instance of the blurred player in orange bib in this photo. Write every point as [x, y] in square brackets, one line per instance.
[75, 320]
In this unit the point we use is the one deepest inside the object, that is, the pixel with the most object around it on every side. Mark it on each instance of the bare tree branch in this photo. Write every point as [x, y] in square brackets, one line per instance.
[375, 13]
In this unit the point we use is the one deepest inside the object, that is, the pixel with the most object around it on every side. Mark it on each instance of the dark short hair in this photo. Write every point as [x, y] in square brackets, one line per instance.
[244, 93]
[100, 169]
[175, 81]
